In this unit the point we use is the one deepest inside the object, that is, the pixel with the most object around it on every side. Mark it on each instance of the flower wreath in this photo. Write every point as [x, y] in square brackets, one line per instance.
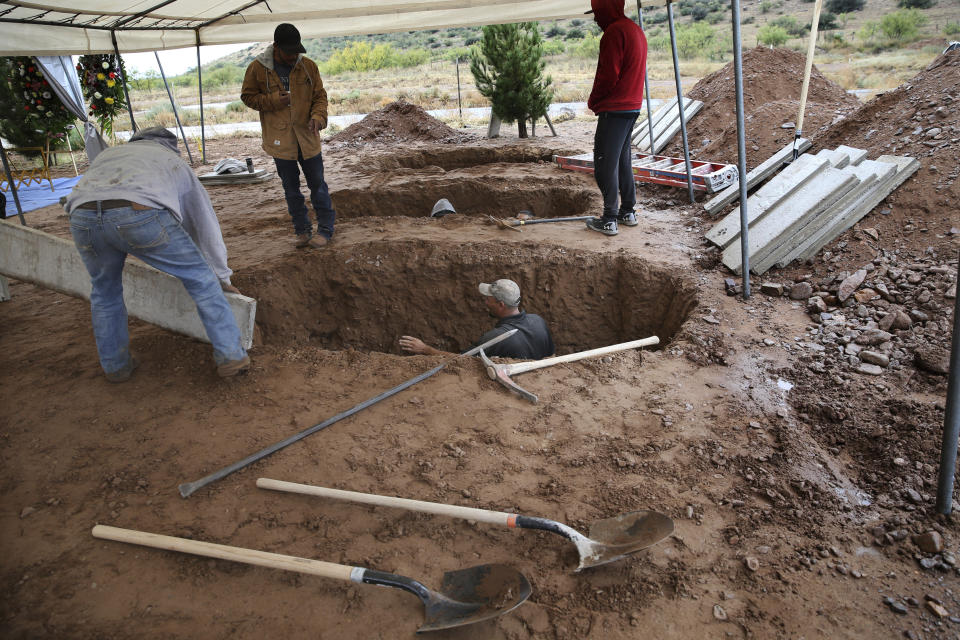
[101, 77]
[42, 109]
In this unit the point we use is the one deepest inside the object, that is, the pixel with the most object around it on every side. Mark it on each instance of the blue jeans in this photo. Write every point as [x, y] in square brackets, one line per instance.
[104, 238]
[613, 164]
[319, 194]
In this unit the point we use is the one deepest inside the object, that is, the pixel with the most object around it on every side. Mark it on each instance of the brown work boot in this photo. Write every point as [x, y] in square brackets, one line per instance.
[233, 367]
[318, 241]
[122, 375]
[303, 239]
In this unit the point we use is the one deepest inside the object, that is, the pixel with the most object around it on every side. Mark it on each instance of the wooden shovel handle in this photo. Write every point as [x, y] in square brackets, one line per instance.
[453, 511]
[521, 367]
[224, 552]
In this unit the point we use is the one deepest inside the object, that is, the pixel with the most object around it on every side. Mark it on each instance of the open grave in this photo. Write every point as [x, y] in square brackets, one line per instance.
[366, 296]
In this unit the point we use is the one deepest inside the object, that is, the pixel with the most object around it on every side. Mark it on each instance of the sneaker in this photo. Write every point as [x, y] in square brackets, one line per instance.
[303, 239]
[233, 367]
[318, 241]
[606, 227]
[628, 219]
[122, 375]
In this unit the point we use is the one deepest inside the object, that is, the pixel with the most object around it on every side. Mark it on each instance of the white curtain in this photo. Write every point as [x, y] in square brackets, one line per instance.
[62, 76]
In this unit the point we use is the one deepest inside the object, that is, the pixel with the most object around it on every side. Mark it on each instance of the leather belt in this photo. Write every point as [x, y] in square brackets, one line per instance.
[113, 204]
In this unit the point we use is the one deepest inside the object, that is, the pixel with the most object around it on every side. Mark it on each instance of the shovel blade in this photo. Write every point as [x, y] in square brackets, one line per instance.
[627, 533]
[473, 595]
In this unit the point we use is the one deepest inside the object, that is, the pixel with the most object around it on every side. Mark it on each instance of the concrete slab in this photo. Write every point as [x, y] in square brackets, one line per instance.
[760, 173]
[788, 215]
[780, 187]
[641, 130]
[906, 167]
[871, 173]
[666, 124]
[856, 155]
[838, 159]
[150, 295]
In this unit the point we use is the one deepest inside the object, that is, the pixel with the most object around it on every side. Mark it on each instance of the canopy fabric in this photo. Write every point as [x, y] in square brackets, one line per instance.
[63, 81]
[60, 27]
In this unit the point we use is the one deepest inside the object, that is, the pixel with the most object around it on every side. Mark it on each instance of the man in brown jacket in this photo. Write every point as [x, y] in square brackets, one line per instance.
[285, 87]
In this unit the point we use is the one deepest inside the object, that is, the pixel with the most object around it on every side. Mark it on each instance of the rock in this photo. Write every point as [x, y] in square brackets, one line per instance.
[870, 369]
[873, 337]
[886, 322]
[772, 289]
[950, 293]
[801, 291]
[927, 563]
[933, 359]
[933, 606]
[883, 291]
[793, 125]
[897, 607]
[870, 231]
[816, 305]
[731, 286]
[26, 511]
[718, 612]
[902, 321]
[913, 496]
[929, 542]
[710, 319]
[850, 284]
[864, 295]
[752, 563]
[874, 357]
[918, 316]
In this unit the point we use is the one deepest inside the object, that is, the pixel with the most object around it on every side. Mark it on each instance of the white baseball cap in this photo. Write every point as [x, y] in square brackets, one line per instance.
[506, 291]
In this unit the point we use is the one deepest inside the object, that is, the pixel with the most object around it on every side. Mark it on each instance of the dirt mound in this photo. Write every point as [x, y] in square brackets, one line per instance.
[772, 80]
[399, 121]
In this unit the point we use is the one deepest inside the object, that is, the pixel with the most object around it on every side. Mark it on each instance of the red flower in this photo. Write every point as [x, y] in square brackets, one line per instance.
[26, 107]
[29, 69]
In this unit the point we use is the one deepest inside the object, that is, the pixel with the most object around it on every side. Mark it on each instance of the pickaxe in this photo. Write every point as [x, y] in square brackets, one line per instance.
[502, 372]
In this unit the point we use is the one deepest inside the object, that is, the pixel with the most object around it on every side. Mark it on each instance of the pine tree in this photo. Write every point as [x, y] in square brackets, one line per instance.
[508, 69]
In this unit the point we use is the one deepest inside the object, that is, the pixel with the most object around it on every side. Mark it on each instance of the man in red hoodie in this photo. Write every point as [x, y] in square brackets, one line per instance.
[616, 98]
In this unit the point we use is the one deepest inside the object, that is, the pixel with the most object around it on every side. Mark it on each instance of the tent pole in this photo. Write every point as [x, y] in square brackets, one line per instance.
[951, 422]
[203, 131]
[646, 84]
[123, 76]
[173, 106]
[459, 103]
[13, 186]
[741, 148]
[683, 121]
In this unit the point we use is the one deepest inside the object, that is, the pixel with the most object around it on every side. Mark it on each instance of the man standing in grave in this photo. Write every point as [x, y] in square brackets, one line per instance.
[285, 87]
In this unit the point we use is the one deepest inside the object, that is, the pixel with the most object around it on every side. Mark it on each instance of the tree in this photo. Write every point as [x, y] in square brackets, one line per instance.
[827, 21]
[844, 6]
[902, 25]
[508, 69]
[916, 4]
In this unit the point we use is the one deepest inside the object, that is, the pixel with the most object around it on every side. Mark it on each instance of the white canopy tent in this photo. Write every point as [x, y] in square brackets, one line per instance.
[63, 27]
[55, 27]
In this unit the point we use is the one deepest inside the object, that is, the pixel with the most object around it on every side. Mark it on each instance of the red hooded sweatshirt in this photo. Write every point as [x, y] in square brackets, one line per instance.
[618, 85]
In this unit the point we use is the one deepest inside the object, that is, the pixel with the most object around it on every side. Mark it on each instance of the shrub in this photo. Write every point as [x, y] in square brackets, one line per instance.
[844, 6]
[766, 6]
[902, 25]
[575, 34]
[589, 47]
[772, 35]
[359, 56]
[827, 21]
[235, 107]
[951, 29]
[916, 4]
[655, 17]
[555, 31]
[694, 39]
[554, 47]
[791, 25]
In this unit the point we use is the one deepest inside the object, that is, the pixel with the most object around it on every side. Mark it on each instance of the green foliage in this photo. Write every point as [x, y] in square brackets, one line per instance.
[589, 47]
[694, 39]
[30, 113]
[772, 35]
[791, 25]
[766, 6]
[555, 31]
[902, 25]
[916, 4]
[844, 6]
[575, 34]
[654, 17]
[868, 31]
[222, 75]
[827, 21]
[146, 81]
[235, 107]
[554, 47]
[951, 29]
[359, 56]
[508, 70]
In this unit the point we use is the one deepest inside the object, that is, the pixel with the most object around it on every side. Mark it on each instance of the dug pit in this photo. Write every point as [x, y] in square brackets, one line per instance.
[477, 182]
[367, 296]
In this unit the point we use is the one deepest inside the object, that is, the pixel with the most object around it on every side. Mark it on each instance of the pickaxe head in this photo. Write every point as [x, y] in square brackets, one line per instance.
[501, 373]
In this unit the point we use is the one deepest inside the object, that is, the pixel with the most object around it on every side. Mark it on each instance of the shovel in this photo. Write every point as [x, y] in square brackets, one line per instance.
[502, 372]
[513, 224]
[610, 539]
[466, 596]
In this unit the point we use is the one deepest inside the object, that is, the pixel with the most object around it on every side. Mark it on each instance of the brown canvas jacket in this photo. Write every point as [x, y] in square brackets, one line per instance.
[286, 128]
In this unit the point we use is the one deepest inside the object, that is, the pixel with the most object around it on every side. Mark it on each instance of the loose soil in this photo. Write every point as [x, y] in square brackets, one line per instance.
[788, 478]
